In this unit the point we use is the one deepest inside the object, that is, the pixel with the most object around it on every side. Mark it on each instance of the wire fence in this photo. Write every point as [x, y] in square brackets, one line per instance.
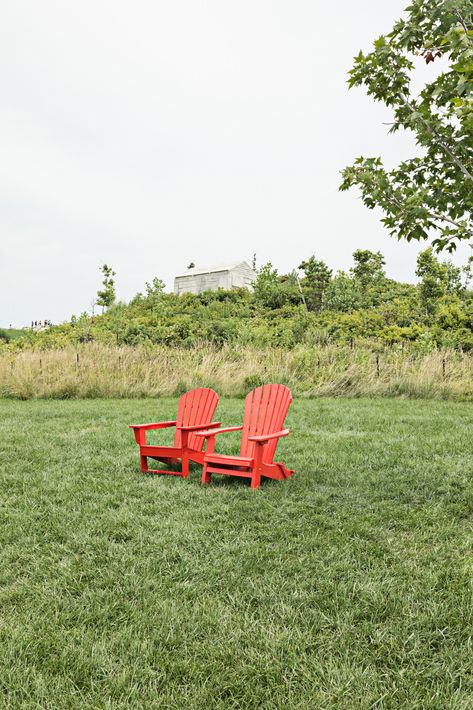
[100, 371]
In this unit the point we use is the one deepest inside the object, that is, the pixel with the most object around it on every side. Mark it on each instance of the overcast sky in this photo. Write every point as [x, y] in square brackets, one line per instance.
[149, 134]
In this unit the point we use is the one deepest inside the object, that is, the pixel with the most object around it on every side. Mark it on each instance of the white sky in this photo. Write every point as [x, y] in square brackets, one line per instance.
[151, 134]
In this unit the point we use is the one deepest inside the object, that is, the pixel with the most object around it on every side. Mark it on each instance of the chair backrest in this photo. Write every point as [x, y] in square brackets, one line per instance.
[265, 411]
[195, 407]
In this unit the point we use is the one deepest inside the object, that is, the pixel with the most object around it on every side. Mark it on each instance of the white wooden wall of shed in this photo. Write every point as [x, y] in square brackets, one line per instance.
[242, 275]
[239, 276]
[203, 282]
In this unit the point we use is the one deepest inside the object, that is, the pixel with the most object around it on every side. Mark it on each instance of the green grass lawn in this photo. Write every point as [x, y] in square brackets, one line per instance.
[347, 586]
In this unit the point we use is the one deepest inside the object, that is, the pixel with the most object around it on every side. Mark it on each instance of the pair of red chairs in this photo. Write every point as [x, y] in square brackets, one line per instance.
[265, 411]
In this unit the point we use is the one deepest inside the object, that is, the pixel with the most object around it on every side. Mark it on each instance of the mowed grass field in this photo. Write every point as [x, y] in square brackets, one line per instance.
[347, 586]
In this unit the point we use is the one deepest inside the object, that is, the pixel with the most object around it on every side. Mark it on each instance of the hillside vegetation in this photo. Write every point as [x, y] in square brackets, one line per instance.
[9, 334]
[350, 334]
[311, 307]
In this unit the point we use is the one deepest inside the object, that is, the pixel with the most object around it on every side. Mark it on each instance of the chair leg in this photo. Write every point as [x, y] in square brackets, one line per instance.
[144, 464]
[206, 476]
[257, 467]
[185, 464]
[255, 479]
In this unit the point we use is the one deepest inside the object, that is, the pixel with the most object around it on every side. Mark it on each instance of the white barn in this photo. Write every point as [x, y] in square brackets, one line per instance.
[227, 276]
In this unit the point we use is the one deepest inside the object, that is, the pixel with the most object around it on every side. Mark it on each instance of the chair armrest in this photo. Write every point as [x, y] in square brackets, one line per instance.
[213, 432]
[158, 425]
[195, 427]
[267, 437]
[139, 430]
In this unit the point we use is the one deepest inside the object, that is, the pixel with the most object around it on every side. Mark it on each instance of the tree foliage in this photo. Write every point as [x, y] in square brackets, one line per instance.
[317, 276]
[436, 280]
[368, 266]
[362, 304]
[106, 296]
[429, 196]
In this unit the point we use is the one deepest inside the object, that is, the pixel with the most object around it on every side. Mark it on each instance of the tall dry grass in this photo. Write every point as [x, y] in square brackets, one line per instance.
[99, 371]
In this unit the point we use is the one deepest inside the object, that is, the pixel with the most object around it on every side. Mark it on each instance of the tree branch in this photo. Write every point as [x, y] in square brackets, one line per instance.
[443, 218]
[461, 21]
[431, 215]
[441, 142]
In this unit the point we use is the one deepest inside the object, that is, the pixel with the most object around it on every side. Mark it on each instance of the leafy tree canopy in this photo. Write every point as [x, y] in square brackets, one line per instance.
[429, 196]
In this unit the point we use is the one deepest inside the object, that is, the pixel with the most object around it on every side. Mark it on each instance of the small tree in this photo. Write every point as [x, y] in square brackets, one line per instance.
[155, 290]
[436, 280]
[468, 271]
[432, 280]
[106, 296]
[368, 266]
[343, 294]
[317, 276]
[454, 278]
[272, 290]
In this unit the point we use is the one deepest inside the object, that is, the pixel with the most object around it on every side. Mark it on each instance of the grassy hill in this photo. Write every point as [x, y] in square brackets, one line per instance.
[286, 310]
[355, 333]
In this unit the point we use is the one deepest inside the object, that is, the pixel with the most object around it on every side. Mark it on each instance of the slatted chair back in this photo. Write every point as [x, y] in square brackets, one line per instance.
[195, 407]
[265, 411]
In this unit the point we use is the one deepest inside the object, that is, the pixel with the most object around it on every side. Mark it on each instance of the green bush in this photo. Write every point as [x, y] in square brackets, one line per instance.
[359, 305]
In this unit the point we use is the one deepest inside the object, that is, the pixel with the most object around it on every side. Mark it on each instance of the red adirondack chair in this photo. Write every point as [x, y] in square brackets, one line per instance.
[265, 411]
[195, 411]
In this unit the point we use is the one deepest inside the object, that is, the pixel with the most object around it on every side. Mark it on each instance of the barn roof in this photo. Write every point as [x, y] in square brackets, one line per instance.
[198, 270]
